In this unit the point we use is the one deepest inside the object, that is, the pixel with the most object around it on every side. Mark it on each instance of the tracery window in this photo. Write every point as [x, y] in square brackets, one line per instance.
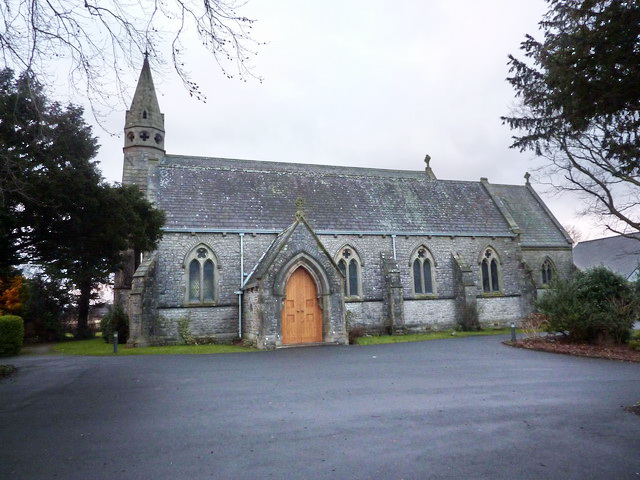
[422, 269]
[200, 264]
[547, 271]
[349, 265]
[490, 266]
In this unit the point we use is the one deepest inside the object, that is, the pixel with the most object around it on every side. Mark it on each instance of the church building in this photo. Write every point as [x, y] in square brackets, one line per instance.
[282, 254]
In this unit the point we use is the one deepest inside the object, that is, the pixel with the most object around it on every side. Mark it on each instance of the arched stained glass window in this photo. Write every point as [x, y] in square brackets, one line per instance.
[547, 272]
[490, 269]
[353, 278]
[207, 281]
[495, 285]
[486, 285]
[417, 276]
[342, 265]
[201, 275]
[194, 281]
[422, 267]
[349, 265]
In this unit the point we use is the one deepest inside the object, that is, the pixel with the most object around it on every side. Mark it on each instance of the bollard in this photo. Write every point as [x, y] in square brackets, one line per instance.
[115, 342]
[513, 332]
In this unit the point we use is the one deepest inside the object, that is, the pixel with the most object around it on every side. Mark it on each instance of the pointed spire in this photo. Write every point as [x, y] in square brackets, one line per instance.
[144, 124]
[144, 105]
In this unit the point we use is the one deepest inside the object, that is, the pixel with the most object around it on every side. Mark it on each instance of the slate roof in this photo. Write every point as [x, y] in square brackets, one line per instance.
[620, 254]
[536, 222]
[223, 194]
[276, 246]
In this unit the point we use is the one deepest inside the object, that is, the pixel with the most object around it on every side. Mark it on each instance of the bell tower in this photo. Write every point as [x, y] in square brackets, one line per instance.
[143, 135]
[143, 151]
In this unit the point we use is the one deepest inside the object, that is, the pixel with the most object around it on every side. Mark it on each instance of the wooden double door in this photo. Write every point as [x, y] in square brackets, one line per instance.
[301, 313]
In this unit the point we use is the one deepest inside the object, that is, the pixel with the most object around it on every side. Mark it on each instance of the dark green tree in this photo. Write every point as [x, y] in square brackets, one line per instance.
[85, 241]
[56, 210]
[592, 306]
[45, 302]
[579, 90]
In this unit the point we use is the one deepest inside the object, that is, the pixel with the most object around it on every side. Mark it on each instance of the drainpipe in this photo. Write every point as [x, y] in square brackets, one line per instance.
[239, 292]
[393, 242]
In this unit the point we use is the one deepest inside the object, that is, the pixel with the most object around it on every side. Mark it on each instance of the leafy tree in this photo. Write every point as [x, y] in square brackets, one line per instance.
[96, 37]
[56, 210]
[580, 104]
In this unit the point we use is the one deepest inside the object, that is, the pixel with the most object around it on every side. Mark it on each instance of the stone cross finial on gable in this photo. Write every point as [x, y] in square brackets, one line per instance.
[527, 175]
[427, 169]
[299, 208]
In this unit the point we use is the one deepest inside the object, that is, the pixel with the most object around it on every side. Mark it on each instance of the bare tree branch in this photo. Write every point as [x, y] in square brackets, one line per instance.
[112, 35]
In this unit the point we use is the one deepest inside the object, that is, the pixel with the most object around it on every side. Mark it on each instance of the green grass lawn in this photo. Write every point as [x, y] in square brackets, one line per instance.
[420, 337]
[97, 346]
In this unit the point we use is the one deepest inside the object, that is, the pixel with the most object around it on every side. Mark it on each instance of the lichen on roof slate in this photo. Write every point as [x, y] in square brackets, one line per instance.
[538, 228]
[215, 193]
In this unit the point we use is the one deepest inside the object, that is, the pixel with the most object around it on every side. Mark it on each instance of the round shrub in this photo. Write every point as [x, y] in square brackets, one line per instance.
[115, 321]
[593, 306]
[11, 334]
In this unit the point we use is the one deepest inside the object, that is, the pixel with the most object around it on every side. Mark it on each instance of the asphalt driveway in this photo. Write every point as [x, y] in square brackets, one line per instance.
[467, 408]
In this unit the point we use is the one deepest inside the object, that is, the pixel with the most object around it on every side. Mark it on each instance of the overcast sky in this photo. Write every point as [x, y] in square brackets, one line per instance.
[364, 83]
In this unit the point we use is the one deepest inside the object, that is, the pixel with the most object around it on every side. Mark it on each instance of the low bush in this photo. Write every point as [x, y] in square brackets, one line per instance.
[184, 330]
[470, 321]
[11, 334]
[355, 333]
[115, 321]
[596, 306]
[535, 325]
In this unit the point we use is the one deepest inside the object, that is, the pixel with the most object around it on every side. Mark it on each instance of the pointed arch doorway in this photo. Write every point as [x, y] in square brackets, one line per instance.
[301, 313]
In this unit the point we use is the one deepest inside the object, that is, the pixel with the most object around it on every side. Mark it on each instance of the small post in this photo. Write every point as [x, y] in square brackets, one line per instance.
[513, 331]
[115, 342]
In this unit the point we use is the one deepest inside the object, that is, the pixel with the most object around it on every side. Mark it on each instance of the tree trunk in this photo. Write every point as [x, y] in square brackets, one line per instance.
[83, 330]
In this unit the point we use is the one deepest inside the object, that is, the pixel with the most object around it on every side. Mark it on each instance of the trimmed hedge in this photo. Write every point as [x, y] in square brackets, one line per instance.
[11, 334]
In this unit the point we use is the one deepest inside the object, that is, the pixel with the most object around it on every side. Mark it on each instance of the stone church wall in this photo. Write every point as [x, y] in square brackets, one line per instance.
[562, 260]
[420, 314]
[500, 311]
[369, 247]
[252, 314]
[366, 314]
[429, 314]
[204, 323]
[226, 247]
[438, 312]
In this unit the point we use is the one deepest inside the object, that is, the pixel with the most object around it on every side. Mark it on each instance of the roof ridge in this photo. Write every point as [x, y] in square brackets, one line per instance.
[303, 168]
[635, 234]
